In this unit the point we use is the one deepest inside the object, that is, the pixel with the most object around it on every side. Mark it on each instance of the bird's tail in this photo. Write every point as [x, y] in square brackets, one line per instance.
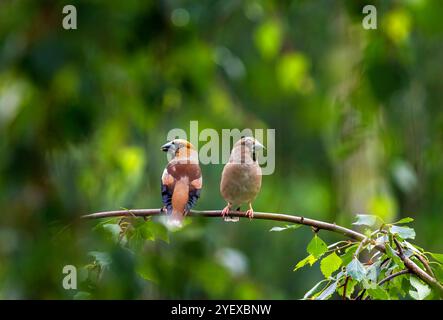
[180, 198]
[175, 220]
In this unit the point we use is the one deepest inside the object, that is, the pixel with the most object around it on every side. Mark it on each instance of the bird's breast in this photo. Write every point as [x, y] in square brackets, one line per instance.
[189, 171]
[240, 182]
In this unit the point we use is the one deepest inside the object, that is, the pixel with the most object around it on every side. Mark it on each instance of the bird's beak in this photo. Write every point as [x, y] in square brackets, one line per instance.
[166, 146]
[259, 146]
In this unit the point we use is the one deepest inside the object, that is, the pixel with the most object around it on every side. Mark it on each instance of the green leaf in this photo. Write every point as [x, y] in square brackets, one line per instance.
[356, 270]
[398, 284]
[317, 247]
[144, 231]
[365, 220]
[393, 255]
[349, 254]
[330, 264]
[137, 236]
[404, 220]
[288, 226]
[378, 294]
[403, 232]
[437, 256]
[113, 229]
[350, 288]
[158, 231]
[423, 289]
[373, 272]
[365, 283]
[309, 259]
[438, 271]
[328, 291]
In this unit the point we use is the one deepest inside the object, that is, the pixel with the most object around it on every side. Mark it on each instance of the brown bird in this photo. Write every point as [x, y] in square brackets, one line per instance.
[181, 181]
[241, 176]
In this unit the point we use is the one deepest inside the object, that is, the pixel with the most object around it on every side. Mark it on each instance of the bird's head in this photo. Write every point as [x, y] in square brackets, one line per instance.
[249, 145]
[178, 146]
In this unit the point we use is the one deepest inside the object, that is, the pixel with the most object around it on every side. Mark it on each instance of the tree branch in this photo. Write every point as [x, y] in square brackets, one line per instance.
[392, 276]
[410, 265]
[425, 264]
[217, 213]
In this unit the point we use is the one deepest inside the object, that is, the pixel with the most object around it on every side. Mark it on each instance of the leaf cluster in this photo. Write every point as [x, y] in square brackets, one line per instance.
[357, 270]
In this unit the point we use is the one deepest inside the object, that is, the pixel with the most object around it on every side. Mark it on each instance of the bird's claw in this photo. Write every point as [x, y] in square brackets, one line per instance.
[225, 214]
[225, 211]
[250, 214]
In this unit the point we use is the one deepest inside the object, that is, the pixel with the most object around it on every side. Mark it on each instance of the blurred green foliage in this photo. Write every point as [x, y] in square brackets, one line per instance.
[357, 113]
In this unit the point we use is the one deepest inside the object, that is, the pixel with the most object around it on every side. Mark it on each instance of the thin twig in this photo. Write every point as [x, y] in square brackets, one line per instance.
[360, 247]
[337, 248]
[344, 287]
[425, 264]
[399, 247]
[384, 261]
[360, 296]
[392, 276]
[217, 213]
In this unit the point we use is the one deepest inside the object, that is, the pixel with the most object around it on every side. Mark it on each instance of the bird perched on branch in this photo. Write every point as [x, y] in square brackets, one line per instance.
[181, 181]
[241, 177]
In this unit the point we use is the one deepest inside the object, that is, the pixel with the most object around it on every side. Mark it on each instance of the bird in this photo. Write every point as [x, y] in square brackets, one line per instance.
[241, 177]
[181, 181]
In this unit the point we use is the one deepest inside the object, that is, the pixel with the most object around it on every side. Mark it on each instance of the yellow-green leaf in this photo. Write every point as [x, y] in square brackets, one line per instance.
[378, 294]
[330, 264]
[437, 256]
[317, 247]
[393, 255]
[309, 259]
[404, 220]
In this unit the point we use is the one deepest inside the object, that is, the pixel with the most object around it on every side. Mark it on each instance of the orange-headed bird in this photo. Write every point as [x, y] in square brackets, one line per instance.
[181, 180]
[241, 177]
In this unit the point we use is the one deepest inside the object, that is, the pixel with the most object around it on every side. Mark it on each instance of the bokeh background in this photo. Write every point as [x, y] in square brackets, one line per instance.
[357, 113]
